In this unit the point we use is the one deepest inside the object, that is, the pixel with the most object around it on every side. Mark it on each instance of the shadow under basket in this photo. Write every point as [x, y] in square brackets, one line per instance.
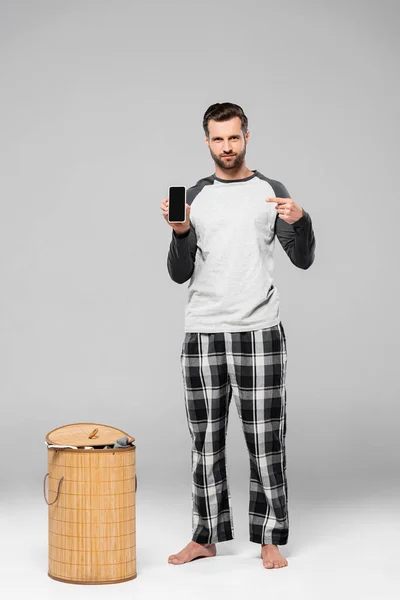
[91, 501]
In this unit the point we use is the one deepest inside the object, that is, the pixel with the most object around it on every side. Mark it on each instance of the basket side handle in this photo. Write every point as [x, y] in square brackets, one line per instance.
[58, 490]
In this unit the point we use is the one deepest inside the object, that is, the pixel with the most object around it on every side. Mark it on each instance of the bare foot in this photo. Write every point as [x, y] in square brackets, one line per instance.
[191, 551]
[272, 558]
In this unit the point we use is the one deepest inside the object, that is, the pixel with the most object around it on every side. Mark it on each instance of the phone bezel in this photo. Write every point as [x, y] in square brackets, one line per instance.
[169, 193]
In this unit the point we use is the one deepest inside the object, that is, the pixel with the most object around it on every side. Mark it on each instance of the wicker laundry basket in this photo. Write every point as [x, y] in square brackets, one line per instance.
[91, 501]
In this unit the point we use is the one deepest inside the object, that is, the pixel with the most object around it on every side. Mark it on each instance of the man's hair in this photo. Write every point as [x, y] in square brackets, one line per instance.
[223, 112]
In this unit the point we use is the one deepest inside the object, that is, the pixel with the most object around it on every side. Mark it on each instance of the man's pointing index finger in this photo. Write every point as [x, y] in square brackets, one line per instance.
[278, 200]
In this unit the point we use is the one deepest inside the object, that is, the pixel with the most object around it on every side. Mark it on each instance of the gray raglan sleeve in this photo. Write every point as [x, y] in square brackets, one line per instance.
[297, 239]
[181, 255]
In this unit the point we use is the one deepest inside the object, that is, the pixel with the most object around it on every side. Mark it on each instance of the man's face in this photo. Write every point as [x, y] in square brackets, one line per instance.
[226, 138]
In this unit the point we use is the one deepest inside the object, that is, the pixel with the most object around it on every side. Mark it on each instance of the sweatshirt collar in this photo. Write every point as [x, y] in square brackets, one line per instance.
[235, 180]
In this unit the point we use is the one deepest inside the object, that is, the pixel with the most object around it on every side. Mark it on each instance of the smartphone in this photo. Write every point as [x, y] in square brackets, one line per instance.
[177, 204]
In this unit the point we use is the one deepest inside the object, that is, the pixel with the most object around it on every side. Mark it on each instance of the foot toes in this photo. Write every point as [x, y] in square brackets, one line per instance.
[283, 563]
[274, 564]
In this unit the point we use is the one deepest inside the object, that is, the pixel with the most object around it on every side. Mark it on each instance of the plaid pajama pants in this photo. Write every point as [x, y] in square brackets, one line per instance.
[251, 366]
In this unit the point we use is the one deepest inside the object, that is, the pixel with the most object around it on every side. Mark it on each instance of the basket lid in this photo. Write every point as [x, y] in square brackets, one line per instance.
[86, 434]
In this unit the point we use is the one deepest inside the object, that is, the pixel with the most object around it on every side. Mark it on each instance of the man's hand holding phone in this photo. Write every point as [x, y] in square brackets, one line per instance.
[179, 228]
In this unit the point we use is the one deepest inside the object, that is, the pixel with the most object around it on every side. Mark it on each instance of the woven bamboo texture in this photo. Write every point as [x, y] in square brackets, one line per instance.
[92, 524]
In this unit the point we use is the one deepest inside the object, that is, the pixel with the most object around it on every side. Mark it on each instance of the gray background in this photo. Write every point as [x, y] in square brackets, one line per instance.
[101, 110]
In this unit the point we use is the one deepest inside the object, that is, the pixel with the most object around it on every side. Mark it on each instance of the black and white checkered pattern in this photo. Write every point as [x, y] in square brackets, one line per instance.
[251, 366]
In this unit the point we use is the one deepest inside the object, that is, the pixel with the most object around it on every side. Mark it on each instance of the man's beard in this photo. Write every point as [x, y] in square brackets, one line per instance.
[230, 163]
